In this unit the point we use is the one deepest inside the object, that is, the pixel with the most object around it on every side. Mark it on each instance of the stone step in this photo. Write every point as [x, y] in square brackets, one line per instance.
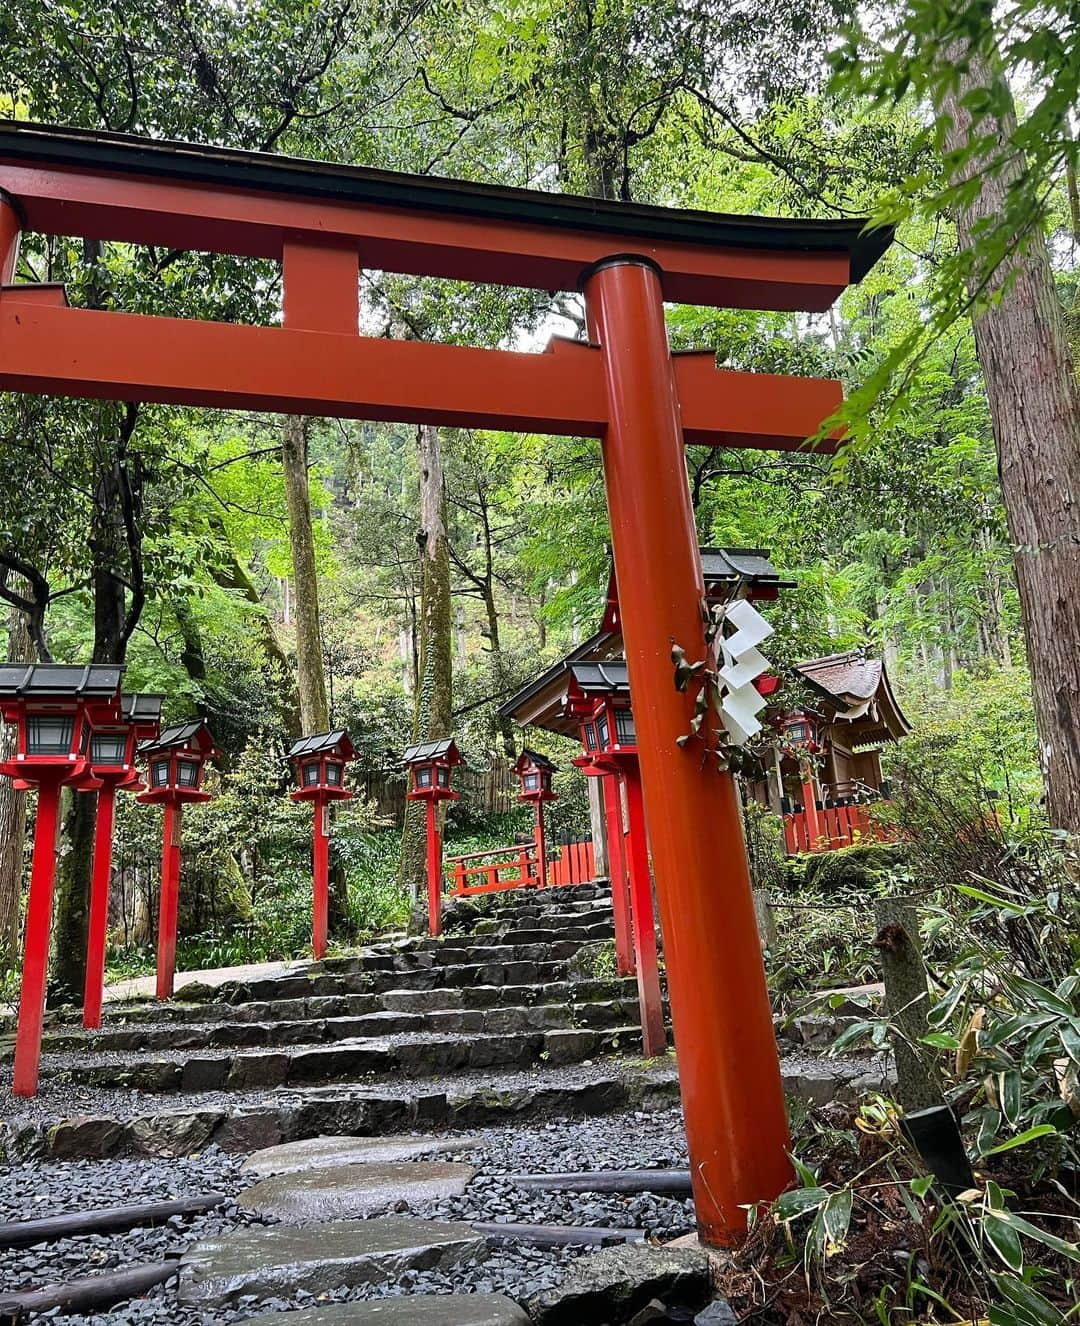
[501, 972]
[377, 1023]
[410, 1055]
[406, 1310]
[150, 1012]
[529, 934]
[280, 1260]
[260, 1118]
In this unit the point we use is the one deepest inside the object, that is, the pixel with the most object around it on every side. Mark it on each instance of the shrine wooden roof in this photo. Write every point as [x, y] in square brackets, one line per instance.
[446, 749]
[857, 690]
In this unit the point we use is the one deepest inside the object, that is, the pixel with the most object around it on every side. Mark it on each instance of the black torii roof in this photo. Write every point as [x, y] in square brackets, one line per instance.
[446, 750]
[93, 681]
[180, 735]
[337, 741]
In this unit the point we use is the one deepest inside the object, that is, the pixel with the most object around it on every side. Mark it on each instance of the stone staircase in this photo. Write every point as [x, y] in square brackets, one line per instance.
[502, 1017]
[394, 1108]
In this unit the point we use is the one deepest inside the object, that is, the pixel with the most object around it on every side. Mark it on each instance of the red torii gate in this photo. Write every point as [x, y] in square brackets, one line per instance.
[322, 222]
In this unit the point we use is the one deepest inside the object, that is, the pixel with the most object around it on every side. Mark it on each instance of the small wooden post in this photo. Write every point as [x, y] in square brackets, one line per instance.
[897, 921]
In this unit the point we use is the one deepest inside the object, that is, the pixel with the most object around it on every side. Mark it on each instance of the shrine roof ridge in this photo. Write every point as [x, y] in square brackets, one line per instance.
[235, 168]
[141, 707]
[430, 750]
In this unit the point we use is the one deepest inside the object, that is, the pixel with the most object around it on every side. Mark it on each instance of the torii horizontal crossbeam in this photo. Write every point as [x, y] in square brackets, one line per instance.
[48, 348]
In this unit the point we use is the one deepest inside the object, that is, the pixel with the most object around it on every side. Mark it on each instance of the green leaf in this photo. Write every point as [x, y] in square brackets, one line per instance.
[1048, 1240]
[1004, 1240]
[791, 1205]
[1022, 1139]
[1070, 1040]
[1033, 1309]
[922, 1185]
[837, 1216]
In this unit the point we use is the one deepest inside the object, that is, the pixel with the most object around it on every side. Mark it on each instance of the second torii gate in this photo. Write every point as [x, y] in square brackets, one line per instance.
[322, 223]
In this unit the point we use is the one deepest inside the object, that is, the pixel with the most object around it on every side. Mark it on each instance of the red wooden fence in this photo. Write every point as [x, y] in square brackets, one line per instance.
[838, 826]
[501, 868]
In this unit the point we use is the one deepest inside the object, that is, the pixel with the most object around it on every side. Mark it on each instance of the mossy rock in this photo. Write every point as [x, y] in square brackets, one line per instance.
[854, 869]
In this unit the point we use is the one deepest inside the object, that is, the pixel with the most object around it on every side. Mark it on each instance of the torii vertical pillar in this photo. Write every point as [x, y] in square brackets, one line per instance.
[732, 1092]
[10, 229]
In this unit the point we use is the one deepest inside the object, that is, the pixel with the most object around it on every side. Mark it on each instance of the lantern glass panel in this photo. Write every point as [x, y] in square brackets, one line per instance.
[108, 747]
[159, 773]
[624, 726]
[531, 782]
[603, 736]
[423, 776]
[590, 737]
[311, 773]
[798, 731]
[333, 773]
[188, 773]
[49, 734]
[444, 776]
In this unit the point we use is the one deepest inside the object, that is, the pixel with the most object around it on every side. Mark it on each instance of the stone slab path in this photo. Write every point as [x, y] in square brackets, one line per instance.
[320, 1152]
[281, 1259]
[354, 1191]
[411, 1310]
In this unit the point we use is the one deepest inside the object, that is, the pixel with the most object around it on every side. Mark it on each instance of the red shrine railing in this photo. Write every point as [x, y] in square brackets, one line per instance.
[835, 827]
[500, 868]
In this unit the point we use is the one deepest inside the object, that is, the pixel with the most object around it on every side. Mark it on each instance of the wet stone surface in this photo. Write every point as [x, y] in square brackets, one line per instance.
[355, 1190]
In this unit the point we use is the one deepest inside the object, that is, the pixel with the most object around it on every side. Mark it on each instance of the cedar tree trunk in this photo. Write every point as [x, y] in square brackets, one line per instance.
[1035, 405]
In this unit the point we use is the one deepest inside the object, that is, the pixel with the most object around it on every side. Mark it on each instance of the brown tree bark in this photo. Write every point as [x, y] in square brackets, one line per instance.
[12, 818]
[1035, 405]
[433, 714]
[311, 674]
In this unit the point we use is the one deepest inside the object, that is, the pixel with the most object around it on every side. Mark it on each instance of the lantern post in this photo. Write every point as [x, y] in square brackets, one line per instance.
[175, 763]
[598, 695]
[319, 762]
[430, 764]
[54, 710]
[112, 768]
[536, 772]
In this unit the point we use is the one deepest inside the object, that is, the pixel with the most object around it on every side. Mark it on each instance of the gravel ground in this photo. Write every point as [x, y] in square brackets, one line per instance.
[628, 1140]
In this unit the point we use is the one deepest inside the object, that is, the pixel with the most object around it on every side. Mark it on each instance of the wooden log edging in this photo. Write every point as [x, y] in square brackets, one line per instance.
[674, 1182]
[25, 1233]
[560, 1236]
[83, 1295]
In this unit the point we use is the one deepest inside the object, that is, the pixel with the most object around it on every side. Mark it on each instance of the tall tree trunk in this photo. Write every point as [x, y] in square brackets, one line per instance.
[314, 710]
[1035, 406]
[433, 714]
[310, 665]
[12, 818]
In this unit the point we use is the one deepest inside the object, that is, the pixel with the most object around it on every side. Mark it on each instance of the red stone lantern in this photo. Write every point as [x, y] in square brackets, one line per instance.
[430, 764]
[536, 772]
[113, 769]
[320, 762]
[598, 696]
[175, 762]
[54, 710]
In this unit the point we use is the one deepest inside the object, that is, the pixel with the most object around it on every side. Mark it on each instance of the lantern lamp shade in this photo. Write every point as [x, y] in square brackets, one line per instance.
[798, 730]
[177, 757]
[159, 773]
[49, 734]
[310, 773]
[334, 772]
[109, 747]
[422, 774]
[187, 772]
